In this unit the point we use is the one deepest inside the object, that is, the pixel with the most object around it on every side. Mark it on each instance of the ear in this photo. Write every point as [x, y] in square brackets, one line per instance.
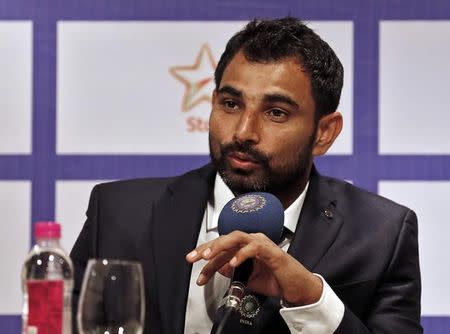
[328, 129]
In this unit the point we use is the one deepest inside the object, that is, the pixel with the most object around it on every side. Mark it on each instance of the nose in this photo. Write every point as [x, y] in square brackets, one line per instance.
[247, 128]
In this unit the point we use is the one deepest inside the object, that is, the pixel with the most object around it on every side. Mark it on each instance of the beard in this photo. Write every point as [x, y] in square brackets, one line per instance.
[267, 177]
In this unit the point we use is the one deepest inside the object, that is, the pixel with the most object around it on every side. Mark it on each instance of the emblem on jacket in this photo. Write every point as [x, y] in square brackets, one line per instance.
[248, 203]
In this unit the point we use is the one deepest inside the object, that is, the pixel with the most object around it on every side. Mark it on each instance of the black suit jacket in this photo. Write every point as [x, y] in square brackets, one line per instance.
[365, 247]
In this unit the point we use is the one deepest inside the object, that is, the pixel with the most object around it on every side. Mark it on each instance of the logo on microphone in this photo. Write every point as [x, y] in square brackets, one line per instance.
[248, 203]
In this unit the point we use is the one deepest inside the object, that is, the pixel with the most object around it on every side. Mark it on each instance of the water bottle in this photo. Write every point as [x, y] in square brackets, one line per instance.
[47, 281]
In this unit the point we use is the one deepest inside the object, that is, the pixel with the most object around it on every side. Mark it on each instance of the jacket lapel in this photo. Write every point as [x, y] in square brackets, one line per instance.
[319, 223]
[176, 221]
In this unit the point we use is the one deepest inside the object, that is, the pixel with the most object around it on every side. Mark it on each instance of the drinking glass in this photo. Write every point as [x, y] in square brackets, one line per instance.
[112, 298]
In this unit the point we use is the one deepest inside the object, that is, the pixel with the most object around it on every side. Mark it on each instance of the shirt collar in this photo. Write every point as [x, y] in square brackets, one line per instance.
[222, 194]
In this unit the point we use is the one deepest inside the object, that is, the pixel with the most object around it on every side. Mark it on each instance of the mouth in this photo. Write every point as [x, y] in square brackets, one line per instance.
[240, 160]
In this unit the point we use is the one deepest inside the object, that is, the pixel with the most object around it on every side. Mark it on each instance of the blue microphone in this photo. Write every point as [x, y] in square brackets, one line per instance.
[255, 212]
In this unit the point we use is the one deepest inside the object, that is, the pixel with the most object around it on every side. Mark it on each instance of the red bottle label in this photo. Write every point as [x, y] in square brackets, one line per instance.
[45, 306]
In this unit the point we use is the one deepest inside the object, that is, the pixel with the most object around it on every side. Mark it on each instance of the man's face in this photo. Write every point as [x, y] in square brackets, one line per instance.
[262, 125]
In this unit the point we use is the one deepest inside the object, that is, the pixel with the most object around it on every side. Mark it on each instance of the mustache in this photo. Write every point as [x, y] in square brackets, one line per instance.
[246, 148]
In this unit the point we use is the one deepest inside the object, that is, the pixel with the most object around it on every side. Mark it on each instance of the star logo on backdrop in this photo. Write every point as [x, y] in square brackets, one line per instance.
[197, 78]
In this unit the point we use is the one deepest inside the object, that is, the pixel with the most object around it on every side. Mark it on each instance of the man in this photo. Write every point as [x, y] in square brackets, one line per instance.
[352, 263]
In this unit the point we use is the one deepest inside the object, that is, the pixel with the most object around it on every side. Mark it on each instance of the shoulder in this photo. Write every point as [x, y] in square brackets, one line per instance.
[373, 227]
[368, 210]
[146, 189]
[131, 186]
[361, 197]
[130, 190]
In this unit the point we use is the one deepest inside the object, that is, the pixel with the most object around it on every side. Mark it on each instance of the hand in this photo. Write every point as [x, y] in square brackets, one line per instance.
[275, 273]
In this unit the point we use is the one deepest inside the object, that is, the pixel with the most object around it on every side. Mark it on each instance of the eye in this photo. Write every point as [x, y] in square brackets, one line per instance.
[277, 115]
[230, 105]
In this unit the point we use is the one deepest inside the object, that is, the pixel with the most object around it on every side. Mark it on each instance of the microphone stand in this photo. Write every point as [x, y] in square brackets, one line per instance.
[231, 303]
[236, 291]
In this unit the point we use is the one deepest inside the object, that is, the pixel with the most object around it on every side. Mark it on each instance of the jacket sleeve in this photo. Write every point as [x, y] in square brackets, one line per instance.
[85, 248]
[396, 307]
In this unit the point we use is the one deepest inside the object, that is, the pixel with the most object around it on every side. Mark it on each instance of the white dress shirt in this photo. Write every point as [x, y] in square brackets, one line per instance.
[322, 317]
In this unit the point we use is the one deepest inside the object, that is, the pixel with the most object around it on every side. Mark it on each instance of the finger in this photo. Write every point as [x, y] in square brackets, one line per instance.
[212, 248]
[226, 270]
[214, 265]
[235, 239]
[198, 253]
[261, 248]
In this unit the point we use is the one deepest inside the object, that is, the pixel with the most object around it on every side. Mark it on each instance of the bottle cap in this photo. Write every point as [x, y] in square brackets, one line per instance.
[47, 230]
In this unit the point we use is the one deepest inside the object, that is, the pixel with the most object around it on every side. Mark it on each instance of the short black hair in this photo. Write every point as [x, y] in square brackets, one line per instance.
[273, 40]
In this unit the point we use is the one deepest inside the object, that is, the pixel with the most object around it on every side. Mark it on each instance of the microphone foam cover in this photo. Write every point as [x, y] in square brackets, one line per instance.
[255, 212]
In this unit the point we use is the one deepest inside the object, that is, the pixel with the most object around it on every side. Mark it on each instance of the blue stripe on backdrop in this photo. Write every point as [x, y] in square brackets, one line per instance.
[78, 167]
[44, 120]
[365, 167]
[436, 325]
[365, 102]
[225, 10]
[15, 167]
[10, 324]
[73, 167]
